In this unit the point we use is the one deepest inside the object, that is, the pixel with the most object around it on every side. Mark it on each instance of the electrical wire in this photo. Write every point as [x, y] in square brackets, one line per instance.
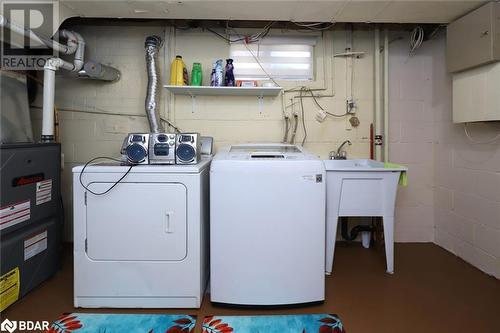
[102, 111]
[247, 39]
[319, 105]
[260, 65]
[224, 37]
[109, 113]
[416, 39]
[316, 26]
[251, 39]
[169, 123]
[479, 142]
[116, 183]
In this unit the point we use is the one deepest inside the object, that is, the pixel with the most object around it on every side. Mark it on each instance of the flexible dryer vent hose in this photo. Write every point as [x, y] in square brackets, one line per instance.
[152, 46]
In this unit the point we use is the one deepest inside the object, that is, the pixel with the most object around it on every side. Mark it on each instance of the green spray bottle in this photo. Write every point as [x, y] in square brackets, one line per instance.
[196, 74]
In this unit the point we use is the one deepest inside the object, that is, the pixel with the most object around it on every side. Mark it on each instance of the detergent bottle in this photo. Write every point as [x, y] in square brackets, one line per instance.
[177, 72]
[212, 78]
[185, 75]
[229, 75]
[196, 74]
[219, 73]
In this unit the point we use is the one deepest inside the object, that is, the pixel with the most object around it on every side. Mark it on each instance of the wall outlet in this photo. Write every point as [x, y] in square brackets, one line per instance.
[320, 116]
[351, 106]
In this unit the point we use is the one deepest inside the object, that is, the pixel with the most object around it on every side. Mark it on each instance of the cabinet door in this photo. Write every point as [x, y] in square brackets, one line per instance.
[137, 222]
[472, 39]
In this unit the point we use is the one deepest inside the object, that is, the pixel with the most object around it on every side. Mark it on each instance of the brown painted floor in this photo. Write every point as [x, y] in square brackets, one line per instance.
[431, 291]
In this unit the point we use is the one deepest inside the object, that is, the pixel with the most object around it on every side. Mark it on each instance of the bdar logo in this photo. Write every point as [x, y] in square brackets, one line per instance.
[9, 326]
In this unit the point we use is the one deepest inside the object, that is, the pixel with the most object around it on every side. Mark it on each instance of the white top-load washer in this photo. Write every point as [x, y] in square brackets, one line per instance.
[144, 244]
[267, 225]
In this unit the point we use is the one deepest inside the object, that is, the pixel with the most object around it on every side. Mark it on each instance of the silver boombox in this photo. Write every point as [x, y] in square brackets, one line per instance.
[162, 148]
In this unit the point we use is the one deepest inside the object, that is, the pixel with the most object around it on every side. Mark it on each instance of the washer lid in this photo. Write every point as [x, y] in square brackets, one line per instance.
[264, 151]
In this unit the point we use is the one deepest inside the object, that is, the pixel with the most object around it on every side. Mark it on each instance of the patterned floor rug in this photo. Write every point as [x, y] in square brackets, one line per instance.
[308, 323]
[121, 323]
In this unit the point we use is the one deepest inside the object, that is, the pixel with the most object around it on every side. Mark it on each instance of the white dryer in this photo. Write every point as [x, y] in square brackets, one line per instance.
[267, 225]
[142, 244]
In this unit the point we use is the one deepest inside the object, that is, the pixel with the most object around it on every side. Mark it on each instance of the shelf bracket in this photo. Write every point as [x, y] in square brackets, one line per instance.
[193, 103]
[261, 102]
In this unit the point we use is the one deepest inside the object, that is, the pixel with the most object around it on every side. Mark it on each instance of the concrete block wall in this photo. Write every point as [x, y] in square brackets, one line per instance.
[454, 193]
[453, 197]
[467, 192]
[90, 126]
[242, 119]
[412, 102]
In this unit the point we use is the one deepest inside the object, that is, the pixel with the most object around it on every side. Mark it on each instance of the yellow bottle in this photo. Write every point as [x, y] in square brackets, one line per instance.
[177, 72]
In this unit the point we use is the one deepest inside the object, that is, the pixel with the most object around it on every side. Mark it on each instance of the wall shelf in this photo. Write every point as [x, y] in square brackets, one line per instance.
[224, 91]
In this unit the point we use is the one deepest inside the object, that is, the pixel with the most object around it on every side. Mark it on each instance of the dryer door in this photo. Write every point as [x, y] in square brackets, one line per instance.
[137, 222]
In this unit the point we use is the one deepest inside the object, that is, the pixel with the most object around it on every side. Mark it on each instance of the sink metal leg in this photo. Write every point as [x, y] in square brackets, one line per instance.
[389, 242]
[331, 236]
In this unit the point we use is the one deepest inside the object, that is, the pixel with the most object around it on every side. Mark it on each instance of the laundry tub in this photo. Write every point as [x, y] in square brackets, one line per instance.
[360, 187]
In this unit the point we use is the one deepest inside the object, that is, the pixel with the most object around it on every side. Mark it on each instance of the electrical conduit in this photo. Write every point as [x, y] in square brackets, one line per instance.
[386, 96]
[378, 116]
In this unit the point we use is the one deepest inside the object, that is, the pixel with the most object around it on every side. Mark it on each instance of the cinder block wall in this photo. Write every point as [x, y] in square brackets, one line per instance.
[467, 187]
[453, 197]
[88, 110]
[413, 96]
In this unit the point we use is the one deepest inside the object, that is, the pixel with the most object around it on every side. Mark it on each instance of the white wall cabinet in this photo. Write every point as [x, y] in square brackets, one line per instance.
[474, 39]
[476, 94]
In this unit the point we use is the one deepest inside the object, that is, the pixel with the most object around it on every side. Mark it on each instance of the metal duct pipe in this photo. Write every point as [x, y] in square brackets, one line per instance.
[97, 71]
[152, 46]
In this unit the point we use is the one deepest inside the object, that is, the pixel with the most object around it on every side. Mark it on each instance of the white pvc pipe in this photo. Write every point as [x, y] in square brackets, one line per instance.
[349, 62]
[386, 96]
[66, 49]
[79, 52]
[75, 45]
[49, 82]
[49, 77]
[378, 120]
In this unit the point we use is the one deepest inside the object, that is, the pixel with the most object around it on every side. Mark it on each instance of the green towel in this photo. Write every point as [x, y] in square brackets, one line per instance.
[403, 177]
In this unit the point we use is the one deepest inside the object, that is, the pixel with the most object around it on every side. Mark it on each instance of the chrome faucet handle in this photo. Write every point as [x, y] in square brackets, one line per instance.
[332, 155]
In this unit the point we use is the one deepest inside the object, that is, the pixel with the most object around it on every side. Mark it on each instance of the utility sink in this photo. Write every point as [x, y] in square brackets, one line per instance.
[357, 165]
[360, 187]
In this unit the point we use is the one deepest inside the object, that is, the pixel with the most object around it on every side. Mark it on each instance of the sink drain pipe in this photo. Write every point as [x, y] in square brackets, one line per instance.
[353, 234]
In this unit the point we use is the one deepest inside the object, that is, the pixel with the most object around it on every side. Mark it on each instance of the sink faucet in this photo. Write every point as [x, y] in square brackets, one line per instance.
[340, 154]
